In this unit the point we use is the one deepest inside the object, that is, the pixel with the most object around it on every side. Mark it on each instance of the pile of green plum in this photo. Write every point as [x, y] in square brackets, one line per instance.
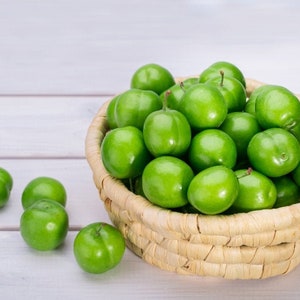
[201, 144]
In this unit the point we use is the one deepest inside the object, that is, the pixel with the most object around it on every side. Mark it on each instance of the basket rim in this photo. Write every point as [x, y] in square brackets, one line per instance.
[253, 222]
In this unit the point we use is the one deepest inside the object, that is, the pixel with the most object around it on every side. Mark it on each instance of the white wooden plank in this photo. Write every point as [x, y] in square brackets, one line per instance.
[92, 46]
[45, 126]
[83, 203]
[55, 275]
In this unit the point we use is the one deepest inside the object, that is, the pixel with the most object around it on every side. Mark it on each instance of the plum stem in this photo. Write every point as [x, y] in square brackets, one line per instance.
[222, 78]
[165, 102]
[247, 173]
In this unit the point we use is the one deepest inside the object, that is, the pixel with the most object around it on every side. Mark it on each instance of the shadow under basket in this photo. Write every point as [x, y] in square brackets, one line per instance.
[254, 245]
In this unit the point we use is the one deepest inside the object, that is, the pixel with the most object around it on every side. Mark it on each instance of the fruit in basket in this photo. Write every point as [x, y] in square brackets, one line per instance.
[44, 225]
[296, 175]
[242, 232]
[175, 93]
[274, 152]
[204, 106]
[165, 181]
[256, 191]
[241, 127]
[250, 105]
[132, 107]
[43, 187]
[224, 130]
[228, 68]
[277, 107]
[152, 77]
[288, 191]
[167, 132]
[232, 89]
[213, 190]
[6, 184]
[110, 113]
[124, 153]
[188, 82]
[212, 147]
[98, 247]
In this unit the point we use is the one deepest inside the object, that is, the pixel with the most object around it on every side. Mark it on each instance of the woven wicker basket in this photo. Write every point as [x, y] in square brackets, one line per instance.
[252, 245]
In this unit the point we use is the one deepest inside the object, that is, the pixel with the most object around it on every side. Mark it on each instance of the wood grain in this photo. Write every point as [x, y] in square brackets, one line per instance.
[45, 126]
[87, 47]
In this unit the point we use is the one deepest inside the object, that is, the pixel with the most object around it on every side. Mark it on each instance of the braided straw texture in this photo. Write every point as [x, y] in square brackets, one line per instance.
[252, 245]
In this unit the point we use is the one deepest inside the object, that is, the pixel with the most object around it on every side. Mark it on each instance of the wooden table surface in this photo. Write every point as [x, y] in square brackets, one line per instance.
[59, 61]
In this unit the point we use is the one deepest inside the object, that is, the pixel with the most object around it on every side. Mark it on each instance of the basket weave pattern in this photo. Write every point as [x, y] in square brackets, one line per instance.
[252, 245]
